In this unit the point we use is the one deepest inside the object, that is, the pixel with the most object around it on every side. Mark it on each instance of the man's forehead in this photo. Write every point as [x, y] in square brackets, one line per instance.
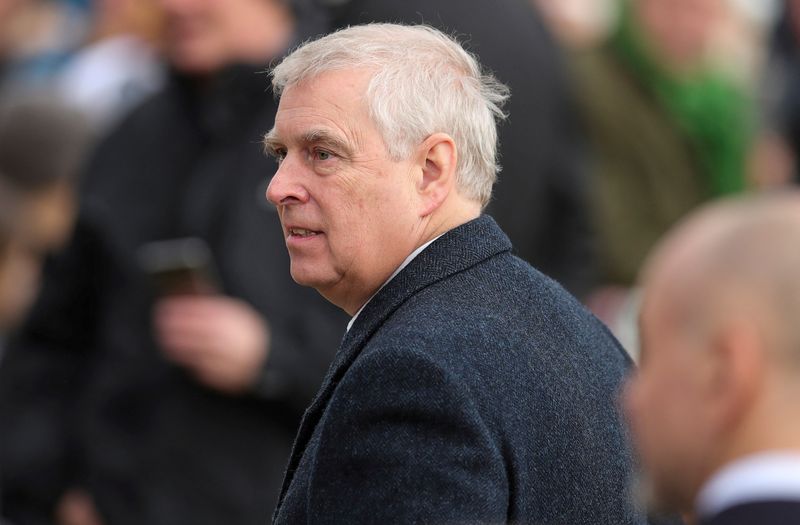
[343, 89]
[320, 112]
[309, 131]
[355, 78]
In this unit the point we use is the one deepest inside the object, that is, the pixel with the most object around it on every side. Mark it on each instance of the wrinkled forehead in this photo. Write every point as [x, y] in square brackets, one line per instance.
[332, 104]
[351, 83]
[344, 90]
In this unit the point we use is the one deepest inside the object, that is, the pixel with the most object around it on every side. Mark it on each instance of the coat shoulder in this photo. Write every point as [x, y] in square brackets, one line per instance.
[500, 305]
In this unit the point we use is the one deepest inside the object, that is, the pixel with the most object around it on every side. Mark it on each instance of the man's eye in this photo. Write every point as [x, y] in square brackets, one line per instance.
[279, 155]
[323, 155]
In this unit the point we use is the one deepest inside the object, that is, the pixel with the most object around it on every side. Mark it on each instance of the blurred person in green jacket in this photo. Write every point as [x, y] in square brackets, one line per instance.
[667, 129]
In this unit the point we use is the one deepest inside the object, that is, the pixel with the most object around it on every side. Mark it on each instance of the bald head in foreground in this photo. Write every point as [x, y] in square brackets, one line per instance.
[469, 387]
[714, 406]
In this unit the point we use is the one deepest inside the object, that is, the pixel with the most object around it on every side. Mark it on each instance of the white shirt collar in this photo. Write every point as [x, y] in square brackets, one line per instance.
[759, 477]
[398, 270]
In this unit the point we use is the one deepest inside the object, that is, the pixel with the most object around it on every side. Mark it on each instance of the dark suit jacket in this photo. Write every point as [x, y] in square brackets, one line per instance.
[471, 389]
[758, 513]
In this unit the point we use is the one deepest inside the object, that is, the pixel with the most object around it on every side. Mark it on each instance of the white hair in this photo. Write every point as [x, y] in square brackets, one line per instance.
[424, 82]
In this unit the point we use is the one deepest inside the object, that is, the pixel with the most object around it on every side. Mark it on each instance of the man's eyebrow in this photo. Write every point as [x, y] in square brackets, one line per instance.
[326, 138]
[271, 143]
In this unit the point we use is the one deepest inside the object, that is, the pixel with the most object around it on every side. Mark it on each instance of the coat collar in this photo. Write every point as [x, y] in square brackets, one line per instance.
[455, 251]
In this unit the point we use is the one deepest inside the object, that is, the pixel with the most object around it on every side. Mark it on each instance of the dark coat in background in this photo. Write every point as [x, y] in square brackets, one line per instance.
[87, 397]
[471, 389]
[781, 87]
[761, 512]
[539, 200]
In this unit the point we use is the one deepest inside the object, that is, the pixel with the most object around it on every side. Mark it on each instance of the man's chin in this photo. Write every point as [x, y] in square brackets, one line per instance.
[304, 277]
[301, 279]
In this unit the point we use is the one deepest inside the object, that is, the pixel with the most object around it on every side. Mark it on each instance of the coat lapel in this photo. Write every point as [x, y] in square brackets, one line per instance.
[455, 251]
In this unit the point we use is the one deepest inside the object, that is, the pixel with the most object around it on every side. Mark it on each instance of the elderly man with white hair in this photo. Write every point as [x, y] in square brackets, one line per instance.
[469, 387]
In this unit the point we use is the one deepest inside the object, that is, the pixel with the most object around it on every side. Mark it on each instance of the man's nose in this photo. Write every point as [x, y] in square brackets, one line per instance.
[285, 186]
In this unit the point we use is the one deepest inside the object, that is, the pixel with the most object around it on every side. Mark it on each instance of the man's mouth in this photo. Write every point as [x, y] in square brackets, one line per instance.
[302, 232]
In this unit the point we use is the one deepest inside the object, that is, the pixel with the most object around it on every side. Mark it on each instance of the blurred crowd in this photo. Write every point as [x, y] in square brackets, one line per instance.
[155, 356]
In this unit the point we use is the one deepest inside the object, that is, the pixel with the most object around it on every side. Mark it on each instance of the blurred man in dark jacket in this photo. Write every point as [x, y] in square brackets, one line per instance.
[132, 404]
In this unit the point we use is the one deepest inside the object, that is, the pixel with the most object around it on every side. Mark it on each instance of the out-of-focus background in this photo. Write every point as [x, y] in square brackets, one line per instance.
[155, 357]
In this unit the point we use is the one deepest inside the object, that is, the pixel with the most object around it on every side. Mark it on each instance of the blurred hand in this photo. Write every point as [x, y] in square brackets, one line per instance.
[222, 341]
[76, 507]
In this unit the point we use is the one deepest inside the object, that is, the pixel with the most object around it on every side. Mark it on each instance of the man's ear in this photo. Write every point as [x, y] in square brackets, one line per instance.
[739, 368]
[437, 158]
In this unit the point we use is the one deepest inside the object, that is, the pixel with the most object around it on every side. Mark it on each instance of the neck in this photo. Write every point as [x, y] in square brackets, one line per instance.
[448, 216]
[769, 426]
[452, 213]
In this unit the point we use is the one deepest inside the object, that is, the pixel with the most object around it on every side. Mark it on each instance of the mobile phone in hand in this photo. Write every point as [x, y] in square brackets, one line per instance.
[181, 266]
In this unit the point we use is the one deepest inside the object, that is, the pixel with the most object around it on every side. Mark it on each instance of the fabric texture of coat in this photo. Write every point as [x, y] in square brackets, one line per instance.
[470, 389]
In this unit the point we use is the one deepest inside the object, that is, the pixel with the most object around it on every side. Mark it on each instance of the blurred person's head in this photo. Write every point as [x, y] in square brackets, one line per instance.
[7, 7]
[579, 23]
[9, 12]
[41, 148]
[720, 345]
[386, 137]
[142, 18]
[203, 36]
[678, 32]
